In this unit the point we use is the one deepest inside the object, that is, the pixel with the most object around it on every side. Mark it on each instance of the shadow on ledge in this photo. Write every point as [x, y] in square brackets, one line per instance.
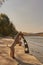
[23, 63]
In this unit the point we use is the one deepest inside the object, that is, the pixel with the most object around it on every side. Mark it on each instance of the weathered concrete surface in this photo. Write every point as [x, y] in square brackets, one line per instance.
[20, 57]
[5, 59]
[26, 58]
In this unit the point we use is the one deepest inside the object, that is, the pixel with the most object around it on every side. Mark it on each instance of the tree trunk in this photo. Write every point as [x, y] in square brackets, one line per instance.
[12, 52]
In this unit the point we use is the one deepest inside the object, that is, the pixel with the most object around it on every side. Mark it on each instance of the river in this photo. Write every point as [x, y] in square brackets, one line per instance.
[35, 44]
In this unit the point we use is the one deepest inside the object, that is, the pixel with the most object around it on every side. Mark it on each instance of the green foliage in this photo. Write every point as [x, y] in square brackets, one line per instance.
[6, 27]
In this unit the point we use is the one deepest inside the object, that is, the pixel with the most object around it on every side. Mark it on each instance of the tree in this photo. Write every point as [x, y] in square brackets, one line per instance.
[6, 27]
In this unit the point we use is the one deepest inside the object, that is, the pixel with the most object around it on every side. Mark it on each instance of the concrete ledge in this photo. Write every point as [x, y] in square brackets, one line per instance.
[26, 58]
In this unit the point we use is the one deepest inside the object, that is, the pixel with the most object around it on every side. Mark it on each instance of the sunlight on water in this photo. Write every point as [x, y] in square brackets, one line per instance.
[35, 44]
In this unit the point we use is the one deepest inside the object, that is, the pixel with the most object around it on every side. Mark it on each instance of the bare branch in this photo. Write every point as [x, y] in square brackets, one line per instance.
[1, 2]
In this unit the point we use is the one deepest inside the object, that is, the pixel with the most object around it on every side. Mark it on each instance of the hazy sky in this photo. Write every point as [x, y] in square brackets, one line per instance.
[26, 15]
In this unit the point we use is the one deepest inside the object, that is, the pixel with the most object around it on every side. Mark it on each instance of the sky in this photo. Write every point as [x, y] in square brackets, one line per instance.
[26, 15]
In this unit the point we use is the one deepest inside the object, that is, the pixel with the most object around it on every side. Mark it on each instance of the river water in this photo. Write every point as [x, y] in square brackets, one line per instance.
[35, 44]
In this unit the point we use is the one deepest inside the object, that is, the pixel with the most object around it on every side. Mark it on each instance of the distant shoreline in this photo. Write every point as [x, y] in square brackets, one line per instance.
[32, 34]
[26, 34]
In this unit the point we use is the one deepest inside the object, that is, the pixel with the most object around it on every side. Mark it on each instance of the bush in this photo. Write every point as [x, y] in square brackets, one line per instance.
[6, 27]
